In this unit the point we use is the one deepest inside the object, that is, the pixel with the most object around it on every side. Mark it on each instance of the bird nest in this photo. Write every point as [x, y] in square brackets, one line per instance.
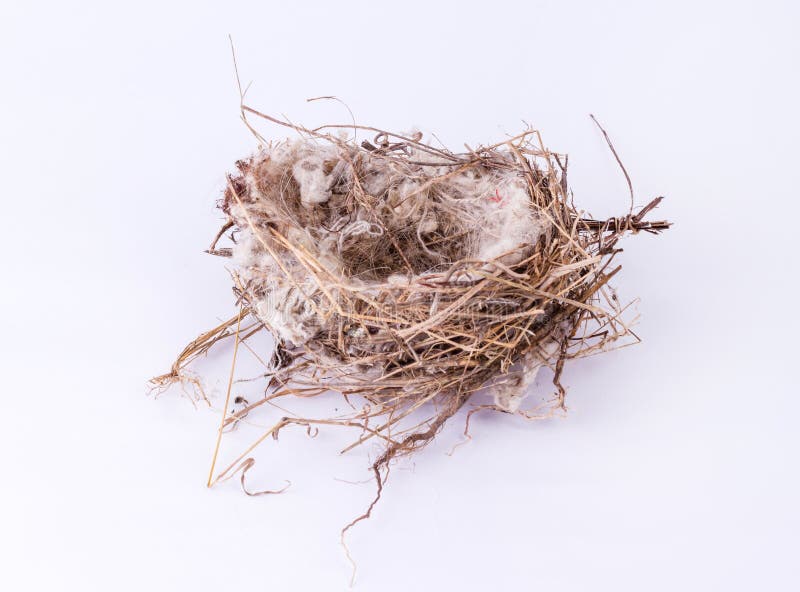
[412, 277]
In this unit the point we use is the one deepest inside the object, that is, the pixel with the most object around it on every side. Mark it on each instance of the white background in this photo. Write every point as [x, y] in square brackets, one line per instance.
[677, 465]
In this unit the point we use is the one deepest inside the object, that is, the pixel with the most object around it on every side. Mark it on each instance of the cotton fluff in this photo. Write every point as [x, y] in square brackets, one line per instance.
[315, 188]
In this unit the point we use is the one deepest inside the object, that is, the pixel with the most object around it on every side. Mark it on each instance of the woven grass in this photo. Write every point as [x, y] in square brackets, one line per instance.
[364, 262]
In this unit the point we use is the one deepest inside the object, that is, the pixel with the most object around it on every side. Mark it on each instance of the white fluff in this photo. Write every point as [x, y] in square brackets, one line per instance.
[511, 390]
[506, 227]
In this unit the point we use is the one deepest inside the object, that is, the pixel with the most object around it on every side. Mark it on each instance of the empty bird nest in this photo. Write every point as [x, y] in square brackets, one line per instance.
[406, 278]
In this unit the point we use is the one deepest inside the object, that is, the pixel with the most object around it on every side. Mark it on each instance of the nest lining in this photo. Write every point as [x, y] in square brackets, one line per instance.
[372, 223]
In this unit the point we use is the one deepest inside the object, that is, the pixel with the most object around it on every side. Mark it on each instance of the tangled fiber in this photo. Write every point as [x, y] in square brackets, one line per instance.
[409, 277]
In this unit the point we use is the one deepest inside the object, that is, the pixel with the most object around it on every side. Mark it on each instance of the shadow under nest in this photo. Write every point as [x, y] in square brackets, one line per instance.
[409, 277]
